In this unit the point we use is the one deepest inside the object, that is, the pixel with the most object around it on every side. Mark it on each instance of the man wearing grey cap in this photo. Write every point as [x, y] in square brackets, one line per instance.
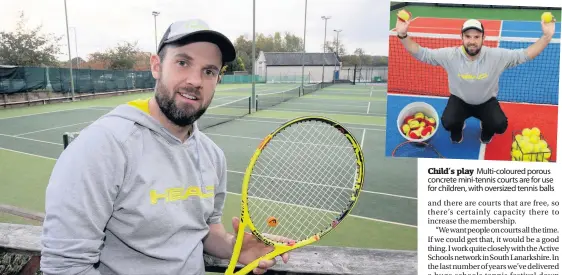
[141, 190]
[473, 74]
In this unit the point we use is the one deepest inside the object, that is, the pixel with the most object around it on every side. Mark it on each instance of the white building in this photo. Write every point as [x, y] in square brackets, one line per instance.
[287, 66]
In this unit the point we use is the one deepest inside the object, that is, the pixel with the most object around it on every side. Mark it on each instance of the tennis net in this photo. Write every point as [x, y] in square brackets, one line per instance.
[535, 81]
[307, 89]
[214, 116]
[265, 101]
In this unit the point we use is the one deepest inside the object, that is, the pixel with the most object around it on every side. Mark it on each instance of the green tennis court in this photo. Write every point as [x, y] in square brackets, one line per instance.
[385, 217]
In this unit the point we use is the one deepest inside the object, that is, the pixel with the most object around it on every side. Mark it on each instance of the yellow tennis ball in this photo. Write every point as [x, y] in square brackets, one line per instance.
[518, 137]
[404, 15]
[536, 132]
[534, 139]
[526, 147]
[547, 17]
[547, 153]
[516, 154]
[526, 132]
[514, 145]
[272, 221]
[406, 129]
[542, 144]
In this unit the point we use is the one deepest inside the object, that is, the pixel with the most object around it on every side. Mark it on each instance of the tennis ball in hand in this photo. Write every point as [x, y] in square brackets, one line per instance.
[547, 17]
[404, 15]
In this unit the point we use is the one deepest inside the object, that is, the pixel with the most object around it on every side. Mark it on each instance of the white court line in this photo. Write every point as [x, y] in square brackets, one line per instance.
[363, 191]
[326, 104]
[232, 193]
[371, 94]
[482, 152]
[281, 121]
[368, 107]
[366, 124]
[363, 138]
[329, 211]
[53, 128]
[48, 142]
[24, 153]
[322, 111]
[50, 112]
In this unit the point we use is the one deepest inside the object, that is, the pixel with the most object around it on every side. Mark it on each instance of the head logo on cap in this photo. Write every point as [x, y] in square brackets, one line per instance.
[195, 25]
[197, 30]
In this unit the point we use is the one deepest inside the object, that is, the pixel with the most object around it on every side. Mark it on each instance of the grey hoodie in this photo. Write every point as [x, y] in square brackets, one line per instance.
[127, 197]
[475, 82]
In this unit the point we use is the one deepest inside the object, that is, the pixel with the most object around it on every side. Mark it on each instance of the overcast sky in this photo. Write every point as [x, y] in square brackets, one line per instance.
[102, 24]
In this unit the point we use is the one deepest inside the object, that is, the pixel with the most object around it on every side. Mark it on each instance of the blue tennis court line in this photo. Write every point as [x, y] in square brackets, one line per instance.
[525, 29]
[468, 149]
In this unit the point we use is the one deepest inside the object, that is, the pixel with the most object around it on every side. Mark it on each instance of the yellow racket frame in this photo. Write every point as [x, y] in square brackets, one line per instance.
[279, 247]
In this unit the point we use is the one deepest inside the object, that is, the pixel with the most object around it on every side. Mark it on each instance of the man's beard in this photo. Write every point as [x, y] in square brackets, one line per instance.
[472, 53]
[180, 117]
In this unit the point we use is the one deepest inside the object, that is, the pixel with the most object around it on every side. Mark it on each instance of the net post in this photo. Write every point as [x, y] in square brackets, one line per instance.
[65, 140]
[354, 73]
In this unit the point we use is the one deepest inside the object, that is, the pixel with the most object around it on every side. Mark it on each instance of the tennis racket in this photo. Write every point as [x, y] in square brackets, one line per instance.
[302, 181]
[416, 149]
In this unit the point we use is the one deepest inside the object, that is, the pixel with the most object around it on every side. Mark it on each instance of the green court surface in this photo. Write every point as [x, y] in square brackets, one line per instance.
[385, 217]
[476, 13]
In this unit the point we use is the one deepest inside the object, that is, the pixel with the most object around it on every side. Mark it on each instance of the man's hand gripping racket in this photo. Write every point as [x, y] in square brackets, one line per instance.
[302, 181]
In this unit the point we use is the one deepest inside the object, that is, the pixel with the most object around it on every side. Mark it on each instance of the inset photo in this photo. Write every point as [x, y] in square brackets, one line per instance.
[473, 82]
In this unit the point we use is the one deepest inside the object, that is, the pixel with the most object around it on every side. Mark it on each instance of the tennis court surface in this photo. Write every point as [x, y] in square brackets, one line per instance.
[528, 93]
[31, 139]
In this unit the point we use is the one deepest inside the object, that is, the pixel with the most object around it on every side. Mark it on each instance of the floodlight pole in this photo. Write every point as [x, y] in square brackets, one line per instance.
[254, 56]
[155, 13]
[325, 18]
[303, 47]
[69, 53]
[338, 42]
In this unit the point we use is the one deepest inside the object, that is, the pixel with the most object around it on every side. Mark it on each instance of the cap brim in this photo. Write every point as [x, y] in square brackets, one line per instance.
[226, 47]
[472, 28]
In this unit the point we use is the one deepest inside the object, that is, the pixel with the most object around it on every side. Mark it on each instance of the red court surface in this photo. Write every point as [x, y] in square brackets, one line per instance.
[450, 26]
[521, 116]
[422, 78]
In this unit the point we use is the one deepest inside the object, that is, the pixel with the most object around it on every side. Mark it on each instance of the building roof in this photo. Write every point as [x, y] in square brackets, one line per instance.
[296, 59]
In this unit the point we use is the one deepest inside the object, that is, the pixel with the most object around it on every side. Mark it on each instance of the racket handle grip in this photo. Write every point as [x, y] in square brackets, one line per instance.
[251, 266]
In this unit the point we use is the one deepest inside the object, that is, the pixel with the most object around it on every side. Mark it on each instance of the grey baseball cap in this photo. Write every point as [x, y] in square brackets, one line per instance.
[472, 24]
[196, 30]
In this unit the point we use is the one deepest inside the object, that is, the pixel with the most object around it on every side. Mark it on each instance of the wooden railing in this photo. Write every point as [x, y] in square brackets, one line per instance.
[22, 244]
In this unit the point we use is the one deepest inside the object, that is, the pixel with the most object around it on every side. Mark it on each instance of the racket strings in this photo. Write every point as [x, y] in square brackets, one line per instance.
[304, 178]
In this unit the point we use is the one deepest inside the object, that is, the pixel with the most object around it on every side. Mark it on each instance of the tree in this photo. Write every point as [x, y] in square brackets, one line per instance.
[332, 46]
[123, 57]
[29, 47]
[271, 43]
[235, 66]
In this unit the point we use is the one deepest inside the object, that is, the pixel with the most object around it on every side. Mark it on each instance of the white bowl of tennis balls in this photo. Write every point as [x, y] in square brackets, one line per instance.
[418, 121]
[530, 146]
